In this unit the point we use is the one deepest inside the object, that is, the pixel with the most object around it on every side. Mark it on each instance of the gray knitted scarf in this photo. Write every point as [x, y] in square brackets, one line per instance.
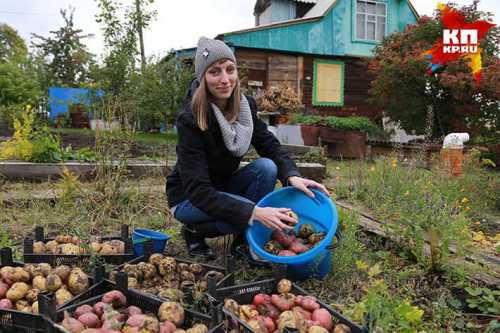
[238, 135]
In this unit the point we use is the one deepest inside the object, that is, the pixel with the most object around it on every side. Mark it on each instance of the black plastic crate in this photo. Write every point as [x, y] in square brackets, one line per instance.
[146, 303]
[244, 294]
[18, 321]
[79, 259]
[227, 281]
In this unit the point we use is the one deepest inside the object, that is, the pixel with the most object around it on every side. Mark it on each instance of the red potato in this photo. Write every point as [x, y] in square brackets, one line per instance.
[167, 327]
[261, 299]
[92, 330]
[283, 302]
[133, 310]
[268, 310]
[282, 238]
[112, 325]
[136, 320]
[83, 309]
[111, 314]
[286, 253]
[90, 320]
[71, 324]
[6, 304]
[306, 315]
[298, 247]
[268, 323]
[298, 300]
[3, 289]
[323, 317]
[115, 298]
[99, 308]
[309, 303]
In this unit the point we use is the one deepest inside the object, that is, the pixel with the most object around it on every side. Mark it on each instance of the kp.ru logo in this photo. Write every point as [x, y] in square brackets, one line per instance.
[460, 41]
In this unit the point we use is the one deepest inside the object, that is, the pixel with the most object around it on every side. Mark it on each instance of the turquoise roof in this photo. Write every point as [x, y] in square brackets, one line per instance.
[331, 33]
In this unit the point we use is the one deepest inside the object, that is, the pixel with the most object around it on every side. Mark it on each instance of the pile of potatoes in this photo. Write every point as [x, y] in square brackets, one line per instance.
[112, 315]
[165, 277]
[273, 313]
[20, 286]
[72, 245]
[290, 244]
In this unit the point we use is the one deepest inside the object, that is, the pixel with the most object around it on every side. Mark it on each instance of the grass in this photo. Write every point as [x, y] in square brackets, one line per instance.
[372, 280]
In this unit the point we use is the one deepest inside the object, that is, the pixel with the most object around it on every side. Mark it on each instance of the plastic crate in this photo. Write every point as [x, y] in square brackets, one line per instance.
[79, 259]
[146, 303]
[244, 293]
[17, 321]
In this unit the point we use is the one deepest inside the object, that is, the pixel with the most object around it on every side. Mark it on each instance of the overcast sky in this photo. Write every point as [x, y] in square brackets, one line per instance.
[179, 24]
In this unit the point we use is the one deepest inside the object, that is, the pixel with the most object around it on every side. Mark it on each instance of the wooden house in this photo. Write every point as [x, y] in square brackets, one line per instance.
[318, 47]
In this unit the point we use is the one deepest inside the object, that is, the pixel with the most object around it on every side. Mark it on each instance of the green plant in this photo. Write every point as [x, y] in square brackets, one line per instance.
[484, 299]
[353, 123]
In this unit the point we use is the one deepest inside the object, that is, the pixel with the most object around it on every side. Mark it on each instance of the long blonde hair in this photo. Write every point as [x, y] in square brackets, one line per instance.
[200, 104]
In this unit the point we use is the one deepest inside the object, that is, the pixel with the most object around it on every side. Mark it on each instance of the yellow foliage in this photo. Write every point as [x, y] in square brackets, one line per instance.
[20, 146]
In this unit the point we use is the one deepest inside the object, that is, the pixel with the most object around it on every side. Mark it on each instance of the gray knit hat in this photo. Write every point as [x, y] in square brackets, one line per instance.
[209, 51]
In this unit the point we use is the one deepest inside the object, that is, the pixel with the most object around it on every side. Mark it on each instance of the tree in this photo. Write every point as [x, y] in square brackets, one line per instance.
[66, 56]
[404, 90]
[12, 46]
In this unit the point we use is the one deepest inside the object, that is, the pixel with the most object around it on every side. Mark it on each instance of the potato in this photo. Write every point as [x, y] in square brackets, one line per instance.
[23, 306]
[341, 328]
[62, 296]
[171, 294]
[115, 298]
[62, 271]
[298, 247]
[69, 249]
[72, 324]
[148, 270]
[323, 317]
[107, 250]
[40, 282]
[167, 327]
[155, 258]
[283, 238]
[89, 319]
[6, 271]
[133, 283]
[78, 281]
[305, 230]
[32, 295]
[95, 247]
[171, 311]
[187, 276]
[196, 269]
[34, 308]
[82, 309]
[231, 305]
[182, 267]
[64, 239]
[247, 312]
[167, 265]
[133, 271]
[286, 319]
[18, 274]
[118, 246]
[51, 246]
[6, 304]
[284, 286]
[39, 247]
[3, 289]
[199, 328]
[273, 246]
[44, 268]
[315, 238]
[317, 329]
[17, 291]
[151, 324]
[283, 302]
[30, 268]
[257, 326]
[53, 282]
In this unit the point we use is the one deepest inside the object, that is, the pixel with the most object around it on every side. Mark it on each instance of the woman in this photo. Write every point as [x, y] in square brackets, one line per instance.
[207, 191]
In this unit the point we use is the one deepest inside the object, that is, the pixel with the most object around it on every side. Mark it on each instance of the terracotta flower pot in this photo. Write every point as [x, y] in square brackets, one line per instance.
[310, 134]
[343, 143]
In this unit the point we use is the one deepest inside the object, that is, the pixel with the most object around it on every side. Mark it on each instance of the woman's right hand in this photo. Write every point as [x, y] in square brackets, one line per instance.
[272, 217]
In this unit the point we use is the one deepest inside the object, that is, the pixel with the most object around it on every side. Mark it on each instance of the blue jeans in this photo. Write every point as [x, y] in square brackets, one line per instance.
[250, 184]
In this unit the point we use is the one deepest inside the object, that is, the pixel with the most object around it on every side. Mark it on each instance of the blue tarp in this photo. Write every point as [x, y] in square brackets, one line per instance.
[61, 98]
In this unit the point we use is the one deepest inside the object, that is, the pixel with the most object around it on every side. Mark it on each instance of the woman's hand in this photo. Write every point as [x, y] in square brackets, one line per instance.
[303, 184]
[272, 217]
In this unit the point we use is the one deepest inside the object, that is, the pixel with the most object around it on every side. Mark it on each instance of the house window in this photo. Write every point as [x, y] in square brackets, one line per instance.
[328, 88]
[371, 18]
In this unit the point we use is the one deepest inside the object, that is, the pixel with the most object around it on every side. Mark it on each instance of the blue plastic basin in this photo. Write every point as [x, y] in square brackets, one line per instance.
[319, 211]
[139, 236]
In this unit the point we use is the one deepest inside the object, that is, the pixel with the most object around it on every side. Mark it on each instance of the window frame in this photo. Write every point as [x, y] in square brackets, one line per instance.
[355, 19]
[342, 78]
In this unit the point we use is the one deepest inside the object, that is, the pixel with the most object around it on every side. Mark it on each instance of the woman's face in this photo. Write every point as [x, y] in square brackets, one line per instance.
[221, 79]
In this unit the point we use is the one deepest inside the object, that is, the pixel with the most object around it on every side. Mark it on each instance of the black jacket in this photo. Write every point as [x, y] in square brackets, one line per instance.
[204, 166]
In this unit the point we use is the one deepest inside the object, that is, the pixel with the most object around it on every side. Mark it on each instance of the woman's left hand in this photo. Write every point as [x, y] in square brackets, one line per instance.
[303, 184]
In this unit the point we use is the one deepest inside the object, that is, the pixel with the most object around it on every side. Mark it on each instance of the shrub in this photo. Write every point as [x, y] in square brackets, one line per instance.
[279, 98]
